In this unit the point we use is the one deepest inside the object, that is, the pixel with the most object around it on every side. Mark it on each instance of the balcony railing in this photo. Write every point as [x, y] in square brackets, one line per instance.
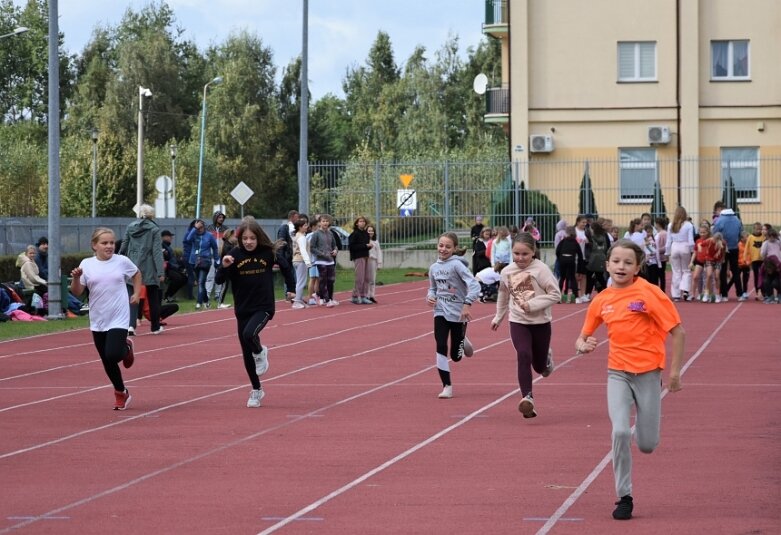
[497, 101]
[495, 12]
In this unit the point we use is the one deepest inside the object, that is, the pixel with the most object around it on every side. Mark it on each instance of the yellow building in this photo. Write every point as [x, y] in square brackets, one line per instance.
[686, 92]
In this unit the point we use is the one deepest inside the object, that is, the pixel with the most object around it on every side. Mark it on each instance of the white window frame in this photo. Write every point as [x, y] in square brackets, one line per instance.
[730, 59]
[741, 167]
[625, 163]
[635, 48]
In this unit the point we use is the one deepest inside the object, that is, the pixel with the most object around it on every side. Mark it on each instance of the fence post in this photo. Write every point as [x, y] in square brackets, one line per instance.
[377, 206]
[447, 197]
[517, 193]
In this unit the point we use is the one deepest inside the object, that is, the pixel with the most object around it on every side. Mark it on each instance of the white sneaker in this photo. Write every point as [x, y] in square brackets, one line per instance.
[298, 305]
[332, 303]
[526, 406]
[131, 331]
[718, 299]
[224, 305]
[549, 367]
[468, 349]
[158, 331]
[579, 300]
[197, 306]
[705, 298]
[446, 393]
[254, 398]
[261, 361]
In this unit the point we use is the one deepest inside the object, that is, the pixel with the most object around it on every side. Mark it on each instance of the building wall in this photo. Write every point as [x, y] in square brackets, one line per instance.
[563, 82]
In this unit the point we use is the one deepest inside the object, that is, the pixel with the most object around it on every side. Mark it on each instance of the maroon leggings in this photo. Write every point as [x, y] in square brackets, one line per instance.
[531, 343]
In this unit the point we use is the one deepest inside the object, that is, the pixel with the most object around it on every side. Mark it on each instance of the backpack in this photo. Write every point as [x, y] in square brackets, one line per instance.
[598, 256]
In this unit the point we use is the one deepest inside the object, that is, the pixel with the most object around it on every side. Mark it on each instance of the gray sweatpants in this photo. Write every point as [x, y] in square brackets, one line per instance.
[644, 391]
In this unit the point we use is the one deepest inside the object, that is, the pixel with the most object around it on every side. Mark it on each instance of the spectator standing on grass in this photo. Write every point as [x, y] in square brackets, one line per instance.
[42, 257]
[189, 268]
[360, 245]
[529, 290]
[143, 245]
[285, 233]
[638, 317]
[216, 229]
[109, 316]
[375, 263]
[229, 241]
[249, 268]
[175, 273]
[302, 261]
[729, 226]
[323, 248]
[452, 290]
[203, 255]
[680, 244]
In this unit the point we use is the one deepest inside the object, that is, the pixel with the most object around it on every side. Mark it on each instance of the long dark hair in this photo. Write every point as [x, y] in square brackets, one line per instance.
[250, 224]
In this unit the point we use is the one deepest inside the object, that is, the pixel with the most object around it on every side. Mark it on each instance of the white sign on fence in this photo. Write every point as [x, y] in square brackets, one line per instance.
[406, 199]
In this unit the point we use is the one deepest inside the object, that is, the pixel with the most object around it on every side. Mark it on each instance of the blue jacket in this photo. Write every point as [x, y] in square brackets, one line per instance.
[730, 227]
[203, 248]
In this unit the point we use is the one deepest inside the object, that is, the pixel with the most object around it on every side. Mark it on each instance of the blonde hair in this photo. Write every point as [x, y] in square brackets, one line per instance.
[98, 232]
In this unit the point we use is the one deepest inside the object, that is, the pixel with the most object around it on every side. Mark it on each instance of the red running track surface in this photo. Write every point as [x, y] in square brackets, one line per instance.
[351, 437]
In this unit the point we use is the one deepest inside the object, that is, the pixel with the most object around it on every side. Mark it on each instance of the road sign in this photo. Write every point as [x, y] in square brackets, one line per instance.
[242, 193]
[406, 212]
[406, 180]
[406, 199]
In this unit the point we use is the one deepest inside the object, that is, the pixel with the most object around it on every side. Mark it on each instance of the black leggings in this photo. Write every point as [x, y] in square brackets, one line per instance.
[112, 348]
[567, 274]
[327, 277]
[455, 330]
[249, 330]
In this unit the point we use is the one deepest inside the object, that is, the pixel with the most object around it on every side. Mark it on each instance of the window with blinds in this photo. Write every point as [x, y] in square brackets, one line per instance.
[637, 61]
[638, 172]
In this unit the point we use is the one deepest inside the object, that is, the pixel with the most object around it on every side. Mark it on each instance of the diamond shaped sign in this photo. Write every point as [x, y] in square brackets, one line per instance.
[242, 193]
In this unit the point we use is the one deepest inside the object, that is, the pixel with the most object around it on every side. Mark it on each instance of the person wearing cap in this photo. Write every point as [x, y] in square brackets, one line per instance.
[42, 257]
[173, 268]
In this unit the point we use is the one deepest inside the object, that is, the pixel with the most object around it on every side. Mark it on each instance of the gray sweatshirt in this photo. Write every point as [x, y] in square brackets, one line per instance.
[453, 285]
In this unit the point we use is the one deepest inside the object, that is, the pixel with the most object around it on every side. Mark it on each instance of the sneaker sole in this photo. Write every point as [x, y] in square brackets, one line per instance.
[468, 349]
[526, 408]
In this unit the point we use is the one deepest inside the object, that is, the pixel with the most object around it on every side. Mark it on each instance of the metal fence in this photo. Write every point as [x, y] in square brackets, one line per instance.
[413, 203]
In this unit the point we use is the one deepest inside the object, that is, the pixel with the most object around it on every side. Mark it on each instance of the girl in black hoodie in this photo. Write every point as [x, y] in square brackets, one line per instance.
[249, 268]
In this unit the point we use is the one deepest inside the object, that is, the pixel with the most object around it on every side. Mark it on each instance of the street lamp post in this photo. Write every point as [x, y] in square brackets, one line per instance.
[94, 135]
[215, 81]
[142, 92]
[173, 176]
[17, 31]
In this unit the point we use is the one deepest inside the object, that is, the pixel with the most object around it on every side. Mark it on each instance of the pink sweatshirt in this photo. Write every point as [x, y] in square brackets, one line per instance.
[535, 285]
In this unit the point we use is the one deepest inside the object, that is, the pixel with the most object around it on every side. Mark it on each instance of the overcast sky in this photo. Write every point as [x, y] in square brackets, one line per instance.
[340, 31]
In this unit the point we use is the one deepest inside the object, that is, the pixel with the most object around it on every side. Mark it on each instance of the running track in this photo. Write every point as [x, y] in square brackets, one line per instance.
[352, 439]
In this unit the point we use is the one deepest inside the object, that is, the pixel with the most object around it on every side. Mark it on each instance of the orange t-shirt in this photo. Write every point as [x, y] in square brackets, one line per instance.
[638, 319]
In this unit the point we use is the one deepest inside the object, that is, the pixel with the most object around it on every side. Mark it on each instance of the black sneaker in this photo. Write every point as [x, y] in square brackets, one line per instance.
[623, 510]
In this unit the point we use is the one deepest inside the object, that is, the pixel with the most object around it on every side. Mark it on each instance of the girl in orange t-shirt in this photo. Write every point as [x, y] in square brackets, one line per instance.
[638, 317]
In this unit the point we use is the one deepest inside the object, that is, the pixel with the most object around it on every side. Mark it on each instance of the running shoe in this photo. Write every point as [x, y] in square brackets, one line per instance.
[548, 367]
[129, 358]
[526, 406]
[261, 361]
[254, 398]
[623, 510]
[122, 400]
[447, 392]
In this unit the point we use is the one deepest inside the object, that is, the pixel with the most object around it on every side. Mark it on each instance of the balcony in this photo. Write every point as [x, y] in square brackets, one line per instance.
[497, 105]
[496, 18]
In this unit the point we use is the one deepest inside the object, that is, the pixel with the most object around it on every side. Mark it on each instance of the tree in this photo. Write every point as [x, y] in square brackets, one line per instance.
[658, 208]
[729, 195]
[586, 202]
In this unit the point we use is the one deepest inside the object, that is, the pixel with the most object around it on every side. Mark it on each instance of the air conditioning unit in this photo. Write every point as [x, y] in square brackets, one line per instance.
[658, 135]
[541, 143]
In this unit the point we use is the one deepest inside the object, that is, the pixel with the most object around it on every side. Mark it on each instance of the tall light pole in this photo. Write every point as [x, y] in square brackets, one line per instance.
[53, 127]
[173, 176]
[303, 158]
[17, 31]
[215, 81]
[94, 134]
[142, 92]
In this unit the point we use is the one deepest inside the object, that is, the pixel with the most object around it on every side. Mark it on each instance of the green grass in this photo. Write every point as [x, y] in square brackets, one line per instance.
[344, 281]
